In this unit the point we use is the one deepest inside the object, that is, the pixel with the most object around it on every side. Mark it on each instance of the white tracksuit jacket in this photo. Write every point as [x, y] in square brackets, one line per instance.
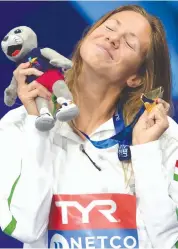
[35, 165]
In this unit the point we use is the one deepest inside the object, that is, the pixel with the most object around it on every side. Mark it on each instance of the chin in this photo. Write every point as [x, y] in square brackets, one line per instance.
[90, 55]
[100, 69]
[95, 61]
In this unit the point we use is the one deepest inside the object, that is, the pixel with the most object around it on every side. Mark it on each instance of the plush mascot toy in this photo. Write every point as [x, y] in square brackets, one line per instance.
[20, 45]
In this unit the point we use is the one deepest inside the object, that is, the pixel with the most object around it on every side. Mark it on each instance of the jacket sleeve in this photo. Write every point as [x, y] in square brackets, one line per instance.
[153, 166]
[25, 178]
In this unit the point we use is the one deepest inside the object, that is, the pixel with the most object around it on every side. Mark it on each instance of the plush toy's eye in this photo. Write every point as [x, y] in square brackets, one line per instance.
[17, 31]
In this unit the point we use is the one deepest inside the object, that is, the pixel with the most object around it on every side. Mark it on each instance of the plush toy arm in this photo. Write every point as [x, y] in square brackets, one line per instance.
[56, 59]
[10, 93]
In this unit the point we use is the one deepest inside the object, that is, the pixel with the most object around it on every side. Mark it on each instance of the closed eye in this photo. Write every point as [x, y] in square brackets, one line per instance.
[129, 45]
[109, 28]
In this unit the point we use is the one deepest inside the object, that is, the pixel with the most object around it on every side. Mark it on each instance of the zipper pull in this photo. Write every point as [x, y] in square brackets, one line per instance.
[83, 150]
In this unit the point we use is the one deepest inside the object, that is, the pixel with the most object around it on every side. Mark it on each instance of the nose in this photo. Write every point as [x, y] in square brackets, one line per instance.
[113, 40]
[6, 38]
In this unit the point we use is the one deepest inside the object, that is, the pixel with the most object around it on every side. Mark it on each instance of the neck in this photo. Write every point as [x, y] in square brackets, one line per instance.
[97, 102]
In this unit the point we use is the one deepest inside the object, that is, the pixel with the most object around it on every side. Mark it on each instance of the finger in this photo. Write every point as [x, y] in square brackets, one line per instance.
[30, 71]
[161, 108]
[158, 113]
[144, 115]
[39, 93]
[23, 65]
[35, 85]
[21, 74]
[160, 120]
[158, 107]
[150, 122]
[164, 103]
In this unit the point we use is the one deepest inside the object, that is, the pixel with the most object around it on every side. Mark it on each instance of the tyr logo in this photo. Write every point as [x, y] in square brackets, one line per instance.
[107, 213]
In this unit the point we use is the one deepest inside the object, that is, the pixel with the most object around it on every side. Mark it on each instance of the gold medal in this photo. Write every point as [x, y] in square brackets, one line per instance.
[150, 99]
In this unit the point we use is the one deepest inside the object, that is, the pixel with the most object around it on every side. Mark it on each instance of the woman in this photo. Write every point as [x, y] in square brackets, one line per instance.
[83, 195]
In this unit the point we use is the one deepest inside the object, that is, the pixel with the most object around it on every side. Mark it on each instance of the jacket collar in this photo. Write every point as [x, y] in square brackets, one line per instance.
[66, 131]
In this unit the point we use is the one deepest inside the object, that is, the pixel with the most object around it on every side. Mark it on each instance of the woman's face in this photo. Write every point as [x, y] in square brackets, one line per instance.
[117, 47]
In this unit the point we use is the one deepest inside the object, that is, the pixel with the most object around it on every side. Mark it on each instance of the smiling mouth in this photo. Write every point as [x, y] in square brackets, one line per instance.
[14, 50]
[105, 50]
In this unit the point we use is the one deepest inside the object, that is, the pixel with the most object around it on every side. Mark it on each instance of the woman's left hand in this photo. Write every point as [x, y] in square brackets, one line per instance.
[152, 125]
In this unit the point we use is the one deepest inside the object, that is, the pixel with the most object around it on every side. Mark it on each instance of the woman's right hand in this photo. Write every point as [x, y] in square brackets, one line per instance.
[28, 92]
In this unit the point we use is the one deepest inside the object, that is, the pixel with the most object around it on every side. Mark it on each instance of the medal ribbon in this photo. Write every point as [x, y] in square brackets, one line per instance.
[123, 136]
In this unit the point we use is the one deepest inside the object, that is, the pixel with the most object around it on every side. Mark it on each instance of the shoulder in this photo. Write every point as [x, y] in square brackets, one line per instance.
[12, 126]
[18, 121]
[13, 116]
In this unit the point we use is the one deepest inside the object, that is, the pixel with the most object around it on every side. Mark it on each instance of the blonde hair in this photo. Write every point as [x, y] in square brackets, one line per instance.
[154, 71]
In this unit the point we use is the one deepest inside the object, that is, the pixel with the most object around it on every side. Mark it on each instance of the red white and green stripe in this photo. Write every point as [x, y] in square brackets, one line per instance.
[176, 172]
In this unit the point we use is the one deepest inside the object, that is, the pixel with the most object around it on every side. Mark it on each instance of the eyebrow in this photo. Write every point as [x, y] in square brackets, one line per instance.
[130, 33]
[118, 22]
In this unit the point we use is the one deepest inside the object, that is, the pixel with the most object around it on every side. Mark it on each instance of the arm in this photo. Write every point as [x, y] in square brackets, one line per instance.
[10, 93]
[153, 169]
[25, 179]
[55, 58]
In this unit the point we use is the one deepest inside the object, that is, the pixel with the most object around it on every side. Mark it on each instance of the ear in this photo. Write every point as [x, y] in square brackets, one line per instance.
[134, 81]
